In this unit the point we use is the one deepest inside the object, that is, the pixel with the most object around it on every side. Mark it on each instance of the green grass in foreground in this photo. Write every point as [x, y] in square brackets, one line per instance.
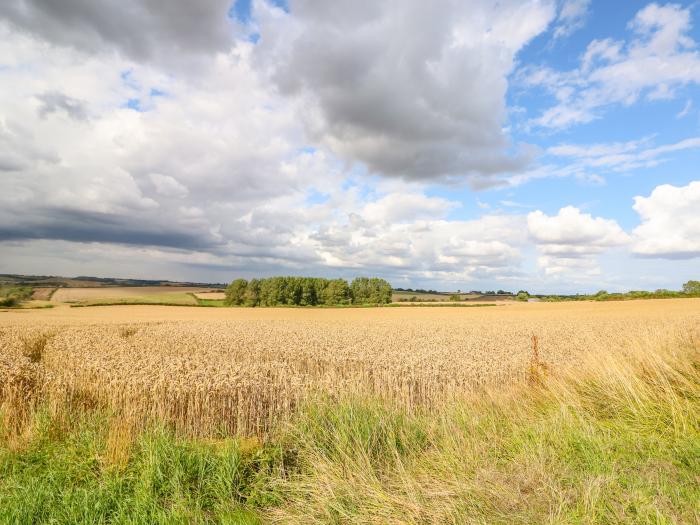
[613, 444]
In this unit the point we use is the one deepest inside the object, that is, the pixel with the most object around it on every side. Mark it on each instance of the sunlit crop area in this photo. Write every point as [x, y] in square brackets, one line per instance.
[520, 413]
[241, 370]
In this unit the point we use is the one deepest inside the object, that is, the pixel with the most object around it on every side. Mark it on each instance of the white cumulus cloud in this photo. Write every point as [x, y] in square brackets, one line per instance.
[572, 16]
[571, 240]
[670, 222]
[659, 58]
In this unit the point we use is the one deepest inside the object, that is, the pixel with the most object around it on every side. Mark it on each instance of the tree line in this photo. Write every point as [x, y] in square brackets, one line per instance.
[307, 291]
[689, 289]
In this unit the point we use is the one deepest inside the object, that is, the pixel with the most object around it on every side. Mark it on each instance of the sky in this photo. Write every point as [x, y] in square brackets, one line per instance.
[545, 145]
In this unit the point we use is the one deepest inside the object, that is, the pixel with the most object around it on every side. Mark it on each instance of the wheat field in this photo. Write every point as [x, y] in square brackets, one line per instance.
[240, 371]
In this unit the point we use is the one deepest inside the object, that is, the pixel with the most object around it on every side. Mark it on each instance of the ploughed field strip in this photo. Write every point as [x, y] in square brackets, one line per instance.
[241, 370]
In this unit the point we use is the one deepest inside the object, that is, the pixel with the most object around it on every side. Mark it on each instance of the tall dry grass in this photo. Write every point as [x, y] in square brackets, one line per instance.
[613, 440]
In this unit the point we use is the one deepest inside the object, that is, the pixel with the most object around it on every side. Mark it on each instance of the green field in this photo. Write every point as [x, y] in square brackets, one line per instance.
[174, 298]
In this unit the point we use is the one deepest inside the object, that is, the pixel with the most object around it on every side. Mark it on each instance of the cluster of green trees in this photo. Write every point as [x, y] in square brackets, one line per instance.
[307, 291]
[692, 288]
[417, 290]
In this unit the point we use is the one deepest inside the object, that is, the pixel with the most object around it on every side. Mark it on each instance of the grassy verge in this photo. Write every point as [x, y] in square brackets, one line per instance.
[615, 441]
[29, 305]
[169, 299]
[134, 303]
[37, 304]
[439, 305]
[14, 296]
[387, 305]
[215, 303]
[97, 472]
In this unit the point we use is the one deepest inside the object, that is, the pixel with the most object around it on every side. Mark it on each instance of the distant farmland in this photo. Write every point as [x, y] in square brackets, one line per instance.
[188, 295]
[406, 296]
[129, 294]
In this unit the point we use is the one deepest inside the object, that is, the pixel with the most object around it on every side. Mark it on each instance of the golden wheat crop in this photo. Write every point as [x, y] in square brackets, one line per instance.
[240, 370]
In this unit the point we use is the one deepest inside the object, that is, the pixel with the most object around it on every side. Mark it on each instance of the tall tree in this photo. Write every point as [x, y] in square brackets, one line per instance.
[370, 291]
[337, 291]
[252, 293]
[235, 292]
[692, 287]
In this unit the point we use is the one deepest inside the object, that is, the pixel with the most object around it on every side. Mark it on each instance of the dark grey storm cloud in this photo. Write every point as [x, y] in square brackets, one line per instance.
[82, 226]
[410, 88]
[143, 30]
